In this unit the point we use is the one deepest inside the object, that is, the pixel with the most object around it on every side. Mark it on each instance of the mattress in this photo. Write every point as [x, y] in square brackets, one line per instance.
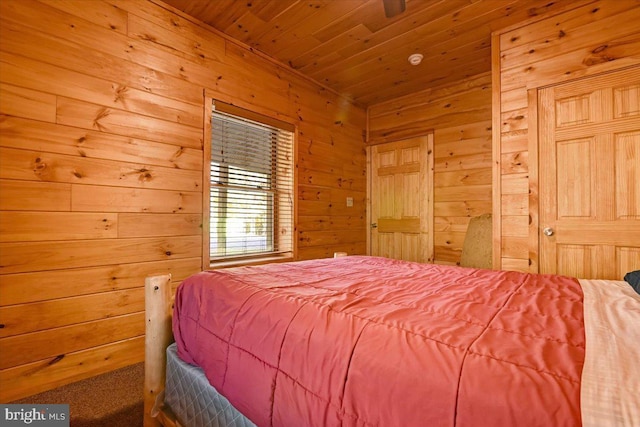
[609, 382]
[193, 400]
[364, 341]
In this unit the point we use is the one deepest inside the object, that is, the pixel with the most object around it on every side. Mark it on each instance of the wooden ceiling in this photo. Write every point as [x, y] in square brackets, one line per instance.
[351, 47]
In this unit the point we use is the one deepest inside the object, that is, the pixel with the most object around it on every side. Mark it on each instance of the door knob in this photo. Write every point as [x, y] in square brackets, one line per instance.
[548, 231]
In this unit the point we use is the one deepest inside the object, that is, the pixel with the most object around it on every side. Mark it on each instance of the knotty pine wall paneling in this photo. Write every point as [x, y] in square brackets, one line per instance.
[101, 127]
[459, 115]
[587, 39]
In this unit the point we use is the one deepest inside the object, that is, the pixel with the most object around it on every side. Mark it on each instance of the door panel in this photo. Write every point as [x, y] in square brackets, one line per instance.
[401, 188]
[589, 168]
[628, 175]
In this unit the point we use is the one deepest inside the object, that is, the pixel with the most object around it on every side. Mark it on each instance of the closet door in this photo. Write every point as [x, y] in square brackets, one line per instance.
[401, 213]
[589, 170]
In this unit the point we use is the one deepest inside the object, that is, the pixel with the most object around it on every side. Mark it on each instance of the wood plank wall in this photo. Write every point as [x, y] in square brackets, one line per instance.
[101, 127]
[460, 117]
[591, 38]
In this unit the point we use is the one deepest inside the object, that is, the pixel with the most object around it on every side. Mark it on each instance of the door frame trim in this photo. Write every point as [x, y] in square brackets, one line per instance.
[534, 182]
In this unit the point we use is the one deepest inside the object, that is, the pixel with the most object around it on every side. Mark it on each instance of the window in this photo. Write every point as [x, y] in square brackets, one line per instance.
[251, 185]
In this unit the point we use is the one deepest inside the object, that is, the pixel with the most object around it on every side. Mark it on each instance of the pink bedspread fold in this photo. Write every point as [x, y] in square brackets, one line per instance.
[366, 341]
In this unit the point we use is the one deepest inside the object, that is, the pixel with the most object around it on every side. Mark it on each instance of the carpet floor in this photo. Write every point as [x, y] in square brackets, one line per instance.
[114, 399]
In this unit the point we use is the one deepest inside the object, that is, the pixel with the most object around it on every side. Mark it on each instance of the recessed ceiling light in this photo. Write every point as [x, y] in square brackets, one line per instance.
[415, 59]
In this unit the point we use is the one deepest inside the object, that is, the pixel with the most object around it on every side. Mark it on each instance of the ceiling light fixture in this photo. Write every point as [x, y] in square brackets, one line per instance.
[415, 59]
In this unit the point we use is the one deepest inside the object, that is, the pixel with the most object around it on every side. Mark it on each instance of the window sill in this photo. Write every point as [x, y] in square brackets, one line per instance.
[245, 262]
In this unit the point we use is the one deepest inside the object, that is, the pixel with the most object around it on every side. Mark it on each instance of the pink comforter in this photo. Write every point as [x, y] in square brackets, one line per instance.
[365, 341]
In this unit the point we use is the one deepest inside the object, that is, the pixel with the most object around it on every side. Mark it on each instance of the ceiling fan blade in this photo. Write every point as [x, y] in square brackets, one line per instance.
[393, 7]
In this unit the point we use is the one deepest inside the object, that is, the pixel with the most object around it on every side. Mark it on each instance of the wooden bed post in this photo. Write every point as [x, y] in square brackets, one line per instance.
[158, 336]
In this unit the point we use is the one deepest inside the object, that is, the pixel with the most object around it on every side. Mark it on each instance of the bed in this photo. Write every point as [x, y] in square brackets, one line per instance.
[370, 341]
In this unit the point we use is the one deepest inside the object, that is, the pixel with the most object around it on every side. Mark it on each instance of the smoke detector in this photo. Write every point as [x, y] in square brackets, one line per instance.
[415, 59]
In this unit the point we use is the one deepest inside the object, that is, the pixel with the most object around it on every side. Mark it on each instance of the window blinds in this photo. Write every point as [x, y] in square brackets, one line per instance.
[251, 191]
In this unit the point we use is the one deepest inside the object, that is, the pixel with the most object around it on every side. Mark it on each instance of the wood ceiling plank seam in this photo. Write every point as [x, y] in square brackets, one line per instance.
[306, 27]
[406, 70]
[419, 9]
[306, 43]
[343, 23]
[383, 38]
[266, 10]
[325, 50]
[444, 77]
[222, 13]
[239, 29]
[291, 4]
[280, 26]
[446, 38]
[398, 66]
[432, 38]
[193, 7]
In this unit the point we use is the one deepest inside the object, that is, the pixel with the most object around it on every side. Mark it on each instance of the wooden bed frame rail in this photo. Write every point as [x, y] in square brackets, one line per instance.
[158, 336]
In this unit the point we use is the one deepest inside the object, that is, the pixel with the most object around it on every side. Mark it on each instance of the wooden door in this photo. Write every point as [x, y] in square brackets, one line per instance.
[589, 169]
[401, 199]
